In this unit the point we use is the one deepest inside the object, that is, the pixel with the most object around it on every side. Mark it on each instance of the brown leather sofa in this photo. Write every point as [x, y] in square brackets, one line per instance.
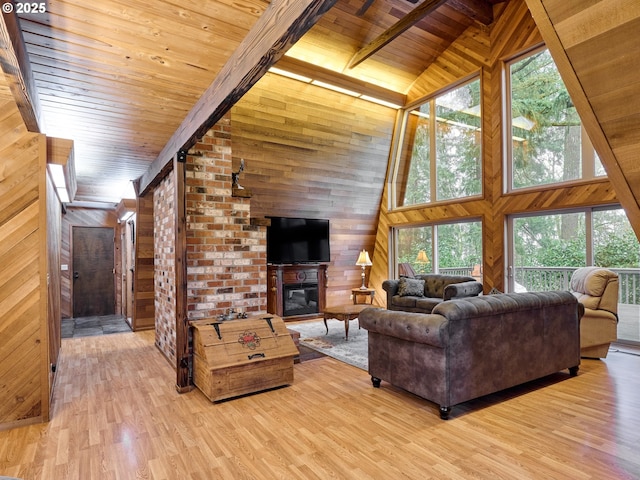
[470, 347]
[407, 295]
[597, 289]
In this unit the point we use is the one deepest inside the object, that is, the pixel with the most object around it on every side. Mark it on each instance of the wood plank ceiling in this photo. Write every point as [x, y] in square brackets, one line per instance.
[118, 77]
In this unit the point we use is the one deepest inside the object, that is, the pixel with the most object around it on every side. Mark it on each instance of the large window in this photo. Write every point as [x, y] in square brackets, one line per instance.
[453, 248]
[439, 154]
[548, 144]
[545, 249]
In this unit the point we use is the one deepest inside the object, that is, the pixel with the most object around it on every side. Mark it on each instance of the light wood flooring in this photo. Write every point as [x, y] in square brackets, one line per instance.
[116, 415]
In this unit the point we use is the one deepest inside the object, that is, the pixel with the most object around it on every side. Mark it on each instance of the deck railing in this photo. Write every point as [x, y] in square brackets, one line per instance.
[558, 278]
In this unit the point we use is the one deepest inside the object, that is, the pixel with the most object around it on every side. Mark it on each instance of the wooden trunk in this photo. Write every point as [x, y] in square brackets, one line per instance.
[237, 357]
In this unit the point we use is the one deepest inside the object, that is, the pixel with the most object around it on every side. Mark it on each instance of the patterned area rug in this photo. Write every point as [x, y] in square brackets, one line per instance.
[353, 351]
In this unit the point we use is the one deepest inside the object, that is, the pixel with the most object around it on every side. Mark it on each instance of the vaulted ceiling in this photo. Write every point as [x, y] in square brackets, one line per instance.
[131, 81]
[118, 77]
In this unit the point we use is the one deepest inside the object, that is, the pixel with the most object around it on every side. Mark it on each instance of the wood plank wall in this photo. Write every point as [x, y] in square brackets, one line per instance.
[83, 217]
[311, 152]
[53, 245]
[24, 345]
[143, 302]
[484, 50]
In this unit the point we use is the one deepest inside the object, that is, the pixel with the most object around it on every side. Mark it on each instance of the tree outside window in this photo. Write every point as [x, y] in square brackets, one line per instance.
[548, 144]
[440, 152]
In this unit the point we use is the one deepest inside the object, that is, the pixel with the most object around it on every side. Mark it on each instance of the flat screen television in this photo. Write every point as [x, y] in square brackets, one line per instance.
[298, 240]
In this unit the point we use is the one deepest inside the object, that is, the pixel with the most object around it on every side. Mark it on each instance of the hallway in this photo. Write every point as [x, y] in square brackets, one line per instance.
[91, 326]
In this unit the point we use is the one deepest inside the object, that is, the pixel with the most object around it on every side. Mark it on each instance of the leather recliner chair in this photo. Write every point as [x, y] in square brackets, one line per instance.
[597, 289]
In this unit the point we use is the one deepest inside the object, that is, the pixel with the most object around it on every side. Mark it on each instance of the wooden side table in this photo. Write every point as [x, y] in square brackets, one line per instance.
[363, 292]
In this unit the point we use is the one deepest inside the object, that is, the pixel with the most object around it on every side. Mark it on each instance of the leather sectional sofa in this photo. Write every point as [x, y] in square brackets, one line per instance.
[470, 347]
[423, 292]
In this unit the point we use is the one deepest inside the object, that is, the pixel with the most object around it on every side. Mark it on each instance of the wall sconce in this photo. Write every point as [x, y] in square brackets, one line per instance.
[363, 261]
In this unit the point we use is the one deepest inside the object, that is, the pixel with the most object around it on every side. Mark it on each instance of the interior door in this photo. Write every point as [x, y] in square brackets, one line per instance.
[93, 271]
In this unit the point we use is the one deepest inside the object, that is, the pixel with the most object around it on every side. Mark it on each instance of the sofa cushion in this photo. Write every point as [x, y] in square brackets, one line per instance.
[427, 303]
[404, 302]
[411, 287]
[588, 285]
[589, 281]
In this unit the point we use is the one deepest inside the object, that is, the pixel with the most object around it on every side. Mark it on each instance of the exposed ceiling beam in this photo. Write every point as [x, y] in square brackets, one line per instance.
[479, 10]
[278, 28]
[14, 61]
[365, 6]
[395, 31]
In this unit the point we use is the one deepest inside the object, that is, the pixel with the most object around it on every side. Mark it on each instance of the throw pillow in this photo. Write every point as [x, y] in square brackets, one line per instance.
[411, 286]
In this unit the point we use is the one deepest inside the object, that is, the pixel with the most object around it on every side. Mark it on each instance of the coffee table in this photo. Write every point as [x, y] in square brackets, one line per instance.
[344, 313]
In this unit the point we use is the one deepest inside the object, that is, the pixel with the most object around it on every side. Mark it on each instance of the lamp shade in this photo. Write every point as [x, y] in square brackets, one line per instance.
[363, 259]
[422, 257]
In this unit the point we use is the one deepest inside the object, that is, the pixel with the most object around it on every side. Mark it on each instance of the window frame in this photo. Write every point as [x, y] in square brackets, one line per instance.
[397, 147]
[588, 212]
[587, 155]
[433, 253]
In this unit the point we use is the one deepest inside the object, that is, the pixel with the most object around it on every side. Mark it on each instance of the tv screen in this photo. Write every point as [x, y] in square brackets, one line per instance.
[298, 240]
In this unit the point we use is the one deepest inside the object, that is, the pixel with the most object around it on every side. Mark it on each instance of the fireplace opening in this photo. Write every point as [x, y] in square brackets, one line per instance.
[300, 299]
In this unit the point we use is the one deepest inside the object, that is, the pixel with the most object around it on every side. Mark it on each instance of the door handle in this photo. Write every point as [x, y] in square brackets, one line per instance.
[75, 275]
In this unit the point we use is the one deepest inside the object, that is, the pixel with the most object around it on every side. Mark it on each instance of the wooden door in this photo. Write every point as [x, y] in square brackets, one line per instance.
[93, 271]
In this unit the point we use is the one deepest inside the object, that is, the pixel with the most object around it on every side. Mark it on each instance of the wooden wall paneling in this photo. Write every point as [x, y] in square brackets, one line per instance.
[44, 327]
[80, 217]
[24, 349]
[595, 46]
[144, 309]
[310, 152]
[17, 176]
[54, 293]
[17, 69]
[463, 57]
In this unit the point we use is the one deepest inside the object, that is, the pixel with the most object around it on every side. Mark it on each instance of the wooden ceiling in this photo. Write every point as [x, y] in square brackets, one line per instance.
[123, 78]
[118, 77]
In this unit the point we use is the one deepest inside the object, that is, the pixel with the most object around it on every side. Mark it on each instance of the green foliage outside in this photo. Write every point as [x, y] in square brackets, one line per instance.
[546, 148]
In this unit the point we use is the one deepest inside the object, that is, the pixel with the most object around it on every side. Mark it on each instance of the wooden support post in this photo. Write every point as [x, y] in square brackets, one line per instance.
[183, 351]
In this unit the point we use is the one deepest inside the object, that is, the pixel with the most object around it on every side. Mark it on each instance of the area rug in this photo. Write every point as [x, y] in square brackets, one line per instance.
[353, 351]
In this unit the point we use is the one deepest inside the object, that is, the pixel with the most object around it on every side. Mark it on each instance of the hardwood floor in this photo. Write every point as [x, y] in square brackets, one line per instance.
[117, 415]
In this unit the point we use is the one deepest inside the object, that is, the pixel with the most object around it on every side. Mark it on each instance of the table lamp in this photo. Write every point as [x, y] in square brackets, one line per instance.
[422, 258]
[363, 261]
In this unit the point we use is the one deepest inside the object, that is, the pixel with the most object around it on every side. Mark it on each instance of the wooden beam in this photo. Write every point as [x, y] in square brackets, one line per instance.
[278, 28]
[14, 62]
[417, 14]
[182, 317]
[479, 10]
